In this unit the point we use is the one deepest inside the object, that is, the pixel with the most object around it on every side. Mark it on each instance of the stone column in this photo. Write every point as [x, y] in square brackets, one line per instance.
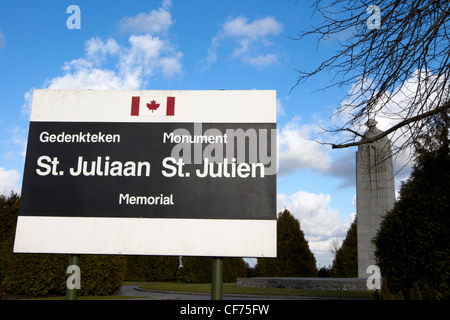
[375, 193]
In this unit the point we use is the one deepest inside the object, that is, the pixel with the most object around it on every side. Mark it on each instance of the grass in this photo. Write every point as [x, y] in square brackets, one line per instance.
[231, 288]
[114, 297]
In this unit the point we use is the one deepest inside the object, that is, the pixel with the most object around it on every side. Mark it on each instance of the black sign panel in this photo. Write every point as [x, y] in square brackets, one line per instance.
[150, 170]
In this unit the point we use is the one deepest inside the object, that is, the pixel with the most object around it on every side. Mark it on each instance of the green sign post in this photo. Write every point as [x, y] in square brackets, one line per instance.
[73, 278]
[217, 278]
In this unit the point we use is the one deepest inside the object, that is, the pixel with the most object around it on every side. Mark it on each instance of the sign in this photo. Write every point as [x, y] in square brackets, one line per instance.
[150, 172]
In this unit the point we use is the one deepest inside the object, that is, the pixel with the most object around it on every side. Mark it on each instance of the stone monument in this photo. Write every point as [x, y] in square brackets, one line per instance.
[375, 193]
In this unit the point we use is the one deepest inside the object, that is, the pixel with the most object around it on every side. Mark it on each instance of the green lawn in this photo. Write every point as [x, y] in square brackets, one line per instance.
[231, 288]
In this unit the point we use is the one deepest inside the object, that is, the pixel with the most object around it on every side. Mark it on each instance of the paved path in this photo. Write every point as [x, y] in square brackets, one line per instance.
[138, 293]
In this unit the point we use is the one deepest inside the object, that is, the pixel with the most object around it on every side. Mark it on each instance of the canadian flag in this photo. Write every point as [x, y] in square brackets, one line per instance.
[152, 106]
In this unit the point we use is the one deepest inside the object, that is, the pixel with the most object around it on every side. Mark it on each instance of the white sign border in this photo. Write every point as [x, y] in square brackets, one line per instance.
[208, 106]
[143, 236]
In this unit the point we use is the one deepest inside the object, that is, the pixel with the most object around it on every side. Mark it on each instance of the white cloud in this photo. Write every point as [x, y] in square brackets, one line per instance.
[298, 151]
[88, 72]
[129, 67]
[18, 137]
[9, 181]
[344, 167]
[262, 61]
[149, 54]
[166, 4]
[257, 29]
[318, 220]
[91, 78]
[170, 66]
[154, 22]
[212, 51]
[110, 65]
[2, 40]
[280, 109]
[26, 107]
[251, 37]
[314, 212]
[96, 48]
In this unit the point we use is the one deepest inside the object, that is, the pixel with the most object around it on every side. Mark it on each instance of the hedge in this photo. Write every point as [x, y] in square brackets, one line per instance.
[43, 274]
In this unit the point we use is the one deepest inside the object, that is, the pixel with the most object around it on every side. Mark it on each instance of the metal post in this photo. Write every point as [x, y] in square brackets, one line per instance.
[74, 266]
[217, 278]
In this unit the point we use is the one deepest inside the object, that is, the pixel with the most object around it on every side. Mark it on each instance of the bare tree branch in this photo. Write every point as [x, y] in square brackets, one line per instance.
[365, 140]
[400, 70]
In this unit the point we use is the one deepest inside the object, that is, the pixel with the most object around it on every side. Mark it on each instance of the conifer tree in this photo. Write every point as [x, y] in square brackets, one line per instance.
[413, 243]
[294, 258]
[151, 268]
[199, 269]
[345, 262]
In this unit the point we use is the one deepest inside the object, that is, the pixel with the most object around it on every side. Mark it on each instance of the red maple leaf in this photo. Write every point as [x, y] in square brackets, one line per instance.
[153, 105]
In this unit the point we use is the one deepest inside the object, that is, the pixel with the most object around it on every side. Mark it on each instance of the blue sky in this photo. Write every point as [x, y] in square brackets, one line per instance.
[188, 45]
